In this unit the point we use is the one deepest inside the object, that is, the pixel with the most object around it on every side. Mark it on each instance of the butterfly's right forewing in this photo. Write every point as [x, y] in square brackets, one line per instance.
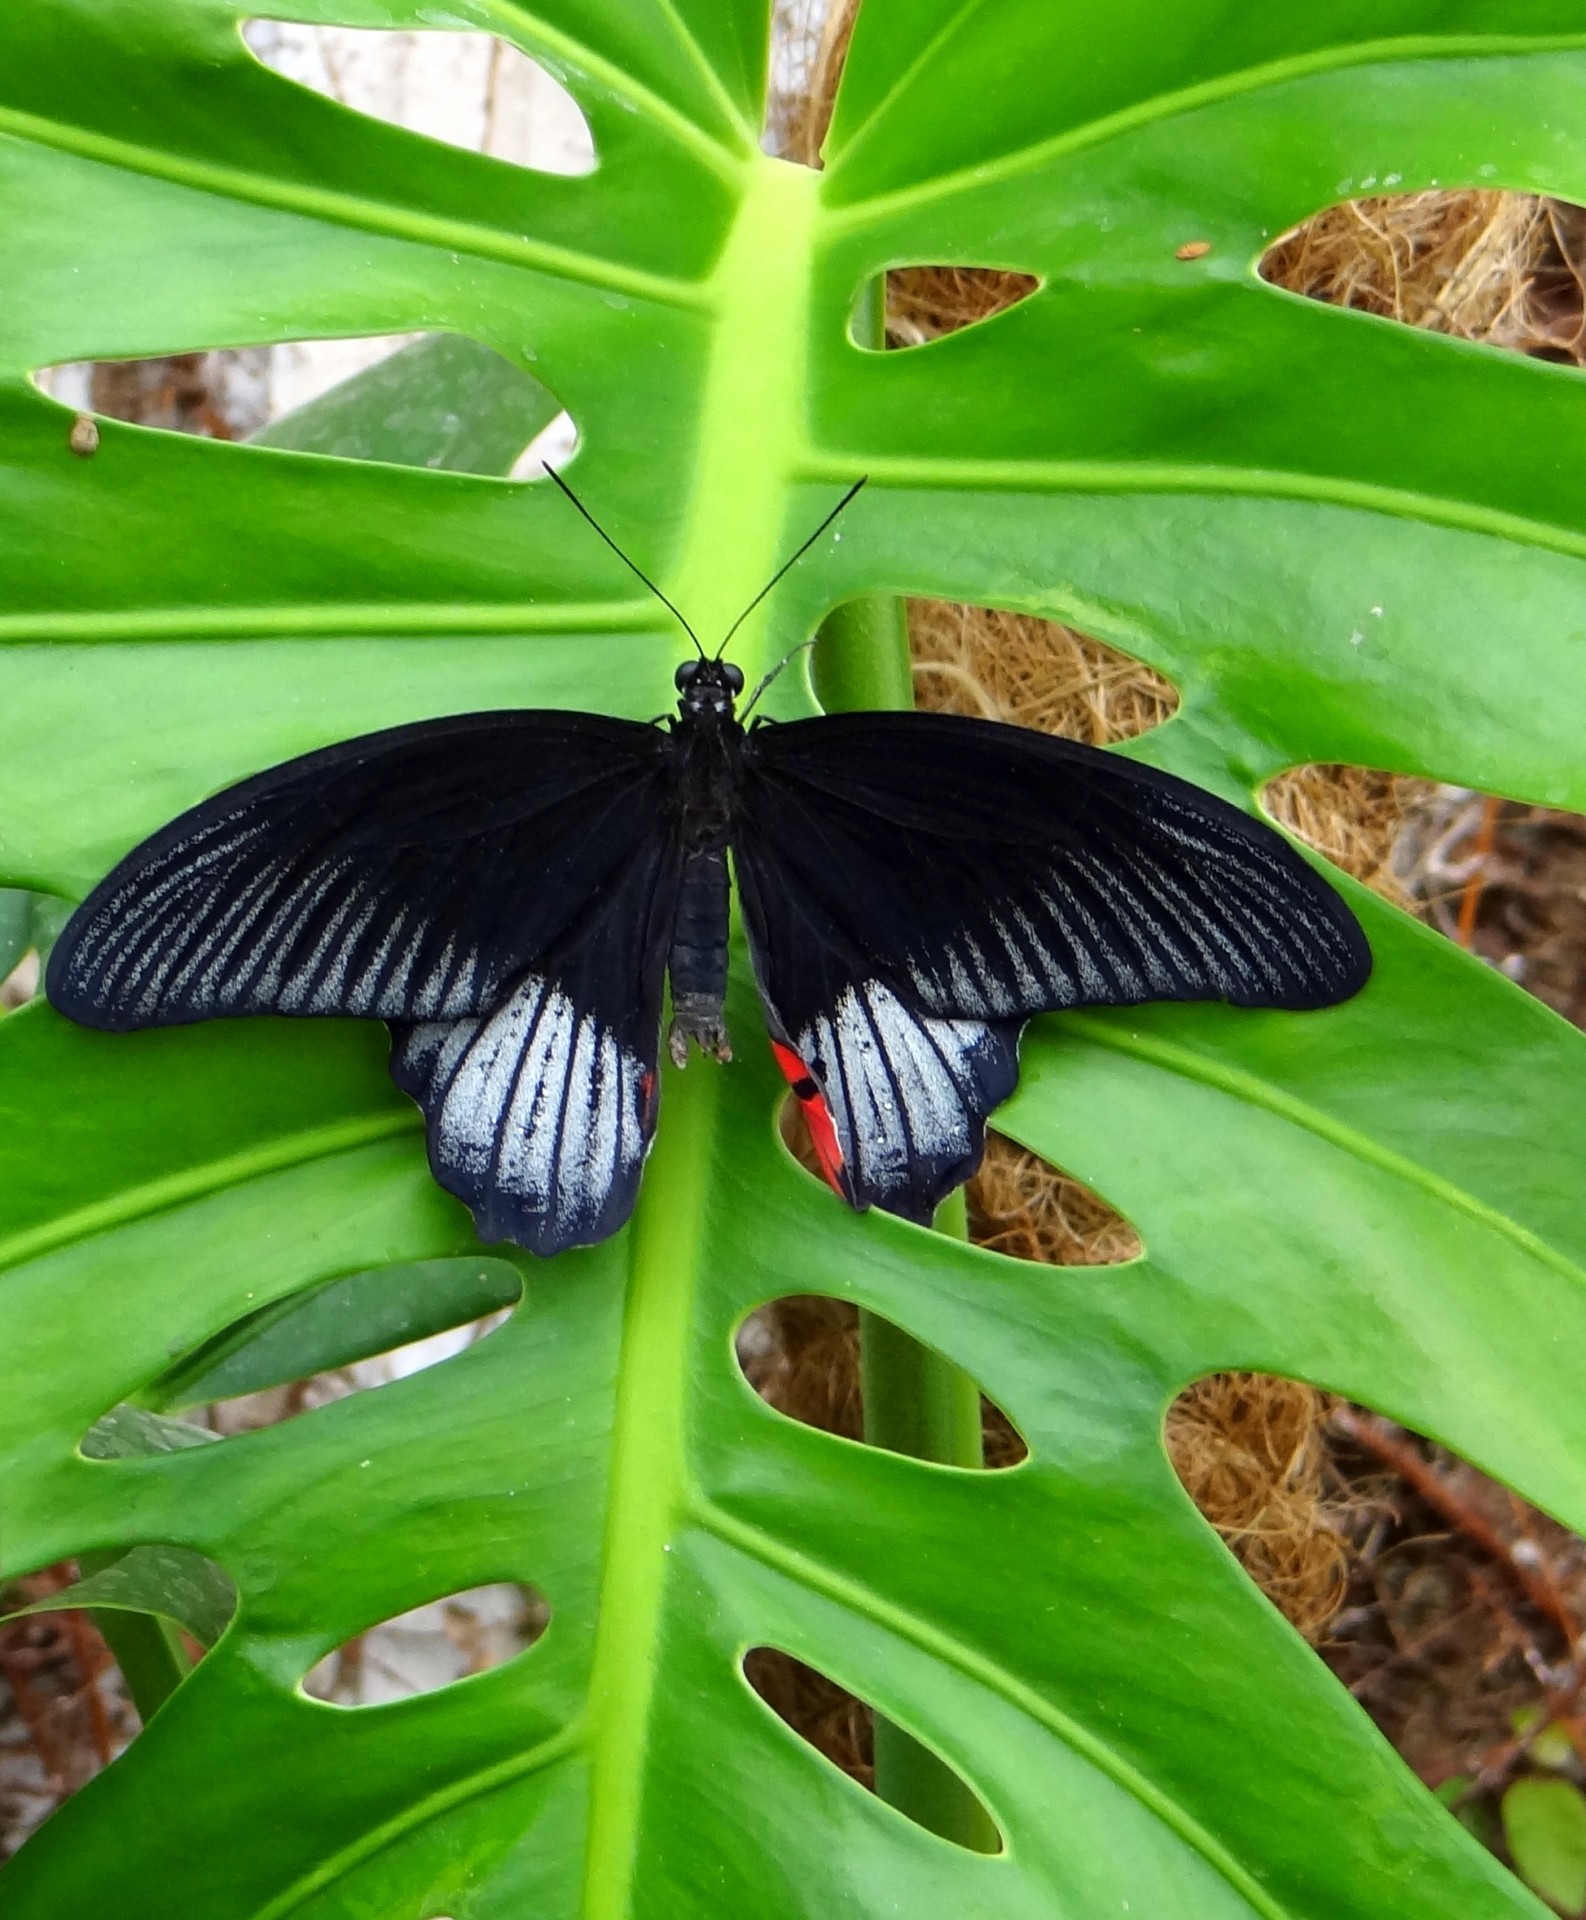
[402, 875]
[498, 886]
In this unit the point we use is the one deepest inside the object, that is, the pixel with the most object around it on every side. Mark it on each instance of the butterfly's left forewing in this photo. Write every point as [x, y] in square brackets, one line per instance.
[916, 886]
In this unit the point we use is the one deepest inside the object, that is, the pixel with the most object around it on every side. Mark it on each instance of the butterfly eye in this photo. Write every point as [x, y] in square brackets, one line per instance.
[734, 678]
[685, 674]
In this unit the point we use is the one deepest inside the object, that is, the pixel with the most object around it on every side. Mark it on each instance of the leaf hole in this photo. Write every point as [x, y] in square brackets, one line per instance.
[354, 1334]
[926, 303]
[65, 1711]
[1479, 264]
[1252, 1452]
[468, 90]
[1018, 1204]
[1030, 672]
[842, 1729]
[29, 925]
[431, 1646]
[553, 446]
[440, 401]
[1023, 1206]
[1502, 878]
[801, 1355]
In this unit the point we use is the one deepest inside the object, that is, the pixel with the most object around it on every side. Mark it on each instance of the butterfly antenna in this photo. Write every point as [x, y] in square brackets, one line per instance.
[634, 570]
[789, 564]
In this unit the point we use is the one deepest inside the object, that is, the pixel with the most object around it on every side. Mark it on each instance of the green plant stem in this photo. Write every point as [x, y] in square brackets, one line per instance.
[147, 1648]
[916, 1402]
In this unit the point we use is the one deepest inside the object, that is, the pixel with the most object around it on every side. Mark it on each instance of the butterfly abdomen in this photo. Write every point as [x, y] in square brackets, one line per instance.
[697, 962]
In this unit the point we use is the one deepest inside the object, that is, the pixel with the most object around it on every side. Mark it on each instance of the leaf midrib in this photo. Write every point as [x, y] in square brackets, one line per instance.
[859, 214]
[331, 620]
[471, 1787]
[648, 1479]
[335, 208]
[151, 1197]
[1112, 476]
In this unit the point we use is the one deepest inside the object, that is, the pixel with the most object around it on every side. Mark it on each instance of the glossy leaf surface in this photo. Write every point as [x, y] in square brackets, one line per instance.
[1333, 535]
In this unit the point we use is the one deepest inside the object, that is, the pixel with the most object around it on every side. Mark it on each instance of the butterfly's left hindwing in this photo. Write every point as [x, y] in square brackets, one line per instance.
[915, 886]
[498, 886]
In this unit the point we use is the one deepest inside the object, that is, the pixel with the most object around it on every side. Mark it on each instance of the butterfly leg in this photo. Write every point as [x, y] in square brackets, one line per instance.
[698, 959]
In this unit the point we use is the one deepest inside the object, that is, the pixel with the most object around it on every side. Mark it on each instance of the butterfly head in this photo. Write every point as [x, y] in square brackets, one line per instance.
[708, 687]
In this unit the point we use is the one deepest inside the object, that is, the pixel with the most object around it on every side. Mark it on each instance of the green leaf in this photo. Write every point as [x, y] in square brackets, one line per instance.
[1544, 1822]
[1333, 535]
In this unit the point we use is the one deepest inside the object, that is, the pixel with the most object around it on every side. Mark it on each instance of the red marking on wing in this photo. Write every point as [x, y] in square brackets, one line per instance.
[646, 1097]
[816, 1113]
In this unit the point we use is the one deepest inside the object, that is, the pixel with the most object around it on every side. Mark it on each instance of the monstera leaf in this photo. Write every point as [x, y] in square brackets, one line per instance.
[1341, 541]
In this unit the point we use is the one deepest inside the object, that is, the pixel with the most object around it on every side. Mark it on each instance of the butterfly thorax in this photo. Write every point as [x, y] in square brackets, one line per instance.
[706, 739]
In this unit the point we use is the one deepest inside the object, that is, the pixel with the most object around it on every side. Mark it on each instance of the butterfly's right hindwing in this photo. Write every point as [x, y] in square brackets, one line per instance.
[541, 1112]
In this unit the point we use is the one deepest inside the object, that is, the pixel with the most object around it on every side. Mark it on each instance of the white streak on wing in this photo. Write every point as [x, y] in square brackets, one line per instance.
[136, 923]
[430, 998]
[462, 987]
[932, 1104]
[161, 965]
[295, 992]
[541, 1105]
[965, 992]
[613, 1131]
[1140, 968]
[330, 995]
[527, 1162]
[1093, 984]
[259, 981]
[1225, 965]
[1124, 964]
[466, 1126]
[899, 1085]
[200, 978]
[1153, 887]
[576, 1126]
[435, 1050]
[361, 992]
[1060, 979]
[392, 994]
[144, 894]
[881, 1138]
[994, 994]
[1029, 988]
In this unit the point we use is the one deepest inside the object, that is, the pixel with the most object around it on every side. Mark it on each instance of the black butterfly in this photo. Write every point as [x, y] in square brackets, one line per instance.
[510, 890]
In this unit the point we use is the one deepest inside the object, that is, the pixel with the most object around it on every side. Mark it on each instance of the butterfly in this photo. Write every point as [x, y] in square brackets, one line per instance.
[512, 891]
